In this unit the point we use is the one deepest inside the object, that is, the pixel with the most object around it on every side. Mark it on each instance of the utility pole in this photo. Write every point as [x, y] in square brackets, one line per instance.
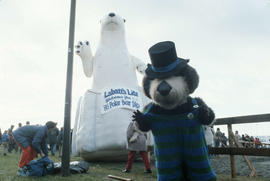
[66, 140]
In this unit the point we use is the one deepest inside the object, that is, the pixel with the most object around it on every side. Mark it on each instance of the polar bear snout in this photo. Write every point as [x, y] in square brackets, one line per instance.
[164, 88]
[111, 14]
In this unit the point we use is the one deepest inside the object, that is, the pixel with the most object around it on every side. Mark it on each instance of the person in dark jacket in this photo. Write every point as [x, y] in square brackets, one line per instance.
[60, 140]
[5, 142]
[52, 139]
[32, 140]
[11, 142]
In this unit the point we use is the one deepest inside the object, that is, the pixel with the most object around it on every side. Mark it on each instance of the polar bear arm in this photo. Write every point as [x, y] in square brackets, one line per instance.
[83, 49]
[88, 66]
[138, 64]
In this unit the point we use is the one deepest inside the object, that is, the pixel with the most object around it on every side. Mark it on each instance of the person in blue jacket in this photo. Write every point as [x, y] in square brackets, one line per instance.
[5, 143]
[32, 140]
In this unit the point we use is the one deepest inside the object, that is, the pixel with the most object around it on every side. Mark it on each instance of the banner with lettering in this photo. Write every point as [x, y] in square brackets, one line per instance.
[113, 98]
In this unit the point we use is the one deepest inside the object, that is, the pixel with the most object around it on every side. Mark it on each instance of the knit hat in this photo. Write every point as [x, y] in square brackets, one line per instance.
[51, 124]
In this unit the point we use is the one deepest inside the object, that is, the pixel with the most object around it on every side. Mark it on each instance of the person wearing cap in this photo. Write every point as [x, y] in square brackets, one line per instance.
[32, 140]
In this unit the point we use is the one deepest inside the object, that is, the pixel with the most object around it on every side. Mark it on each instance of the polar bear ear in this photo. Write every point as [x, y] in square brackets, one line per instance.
[124, 20]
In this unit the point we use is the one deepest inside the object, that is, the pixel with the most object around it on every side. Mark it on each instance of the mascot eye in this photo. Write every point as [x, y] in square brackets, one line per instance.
[124, 20]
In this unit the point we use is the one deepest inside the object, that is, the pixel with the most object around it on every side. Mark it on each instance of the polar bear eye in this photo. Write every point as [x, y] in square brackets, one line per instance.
[124, 20]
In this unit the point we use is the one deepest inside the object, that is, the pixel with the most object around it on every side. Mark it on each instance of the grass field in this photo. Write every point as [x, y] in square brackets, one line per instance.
[98, 171]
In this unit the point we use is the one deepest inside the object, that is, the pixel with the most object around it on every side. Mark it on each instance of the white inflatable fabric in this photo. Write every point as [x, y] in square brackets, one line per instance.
[97, 136]
[105, 111]
[112, 64]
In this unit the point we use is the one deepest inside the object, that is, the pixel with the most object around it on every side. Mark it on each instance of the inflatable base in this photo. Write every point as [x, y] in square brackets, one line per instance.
[99, 135]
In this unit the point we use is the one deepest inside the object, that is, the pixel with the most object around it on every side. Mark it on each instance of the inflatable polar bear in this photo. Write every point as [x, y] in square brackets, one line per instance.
[104, 112]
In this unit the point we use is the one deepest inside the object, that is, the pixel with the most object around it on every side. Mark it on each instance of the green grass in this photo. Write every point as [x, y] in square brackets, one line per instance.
[98, 171]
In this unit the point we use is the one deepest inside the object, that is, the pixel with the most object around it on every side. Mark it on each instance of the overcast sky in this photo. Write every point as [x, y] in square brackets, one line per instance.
[227, 41]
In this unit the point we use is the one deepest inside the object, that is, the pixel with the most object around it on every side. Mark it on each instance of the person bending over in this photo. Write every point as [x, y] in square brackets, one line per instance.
[32, 141]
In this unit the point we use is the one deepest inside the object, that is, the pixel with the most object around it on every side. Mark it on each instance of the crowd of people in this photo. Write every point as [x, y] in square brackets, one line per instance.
[220, 140]
[54, 140]
[249, 141]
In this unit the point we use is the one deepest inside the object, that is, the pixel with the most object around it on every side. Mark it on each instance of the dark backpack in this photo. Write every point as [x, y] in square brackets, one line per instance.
[39, 167]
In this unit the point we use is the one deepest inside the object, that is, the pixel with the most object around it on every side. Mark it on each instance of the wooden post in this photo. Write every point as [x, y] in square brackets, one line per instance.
[233, 172]
[250, 166]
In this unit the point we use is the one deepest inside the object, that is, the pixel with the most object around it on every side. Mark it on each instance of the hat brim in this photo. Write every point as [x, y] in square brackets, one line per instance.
[161, 75]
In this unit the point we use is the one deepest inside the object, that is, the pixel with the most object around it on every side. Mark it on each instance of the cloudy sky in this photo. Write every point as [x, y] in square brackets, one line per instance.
[227, 41]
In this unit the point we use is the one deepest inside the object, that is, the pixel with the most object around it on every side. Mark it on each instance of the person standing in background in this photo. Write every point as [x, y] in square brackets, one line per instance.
[52, 139]
[60, 141]
[136, 141]
[5, 142]
[20, 125]
[218, 138]
[11, 142]
[209, 135]
[237, 136]
[224, 140]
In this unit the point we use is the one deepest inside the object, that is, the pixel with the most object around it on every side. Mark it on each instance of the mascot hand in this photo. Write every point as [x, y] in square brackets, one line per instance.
[142, 120]
[206, 115]
[137, 116]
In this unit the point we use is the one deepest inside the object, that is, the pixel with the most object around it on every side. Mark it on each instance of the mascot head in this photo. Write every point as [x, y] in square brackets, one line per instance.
[112, 23]
[169, 80]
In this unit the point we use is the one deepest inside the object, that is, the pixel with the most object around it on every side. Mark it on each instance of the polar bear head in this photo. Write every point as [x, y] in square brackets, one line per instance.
[112, 22]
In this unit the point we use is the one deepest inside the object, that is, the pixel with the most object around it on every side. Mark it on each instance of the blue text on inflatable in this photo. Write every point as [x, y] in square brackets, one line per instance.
[120, 97]
[121, 91]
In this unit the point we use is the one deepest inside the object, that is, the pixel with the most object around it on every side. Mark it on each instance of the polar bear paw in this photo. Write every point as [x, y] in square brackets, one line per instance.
[83, 50]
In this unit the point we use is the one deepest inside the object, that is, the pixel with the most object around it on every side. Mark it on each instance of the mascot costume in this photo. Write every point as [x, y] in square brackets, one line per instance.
[105, 110]
[174, 117]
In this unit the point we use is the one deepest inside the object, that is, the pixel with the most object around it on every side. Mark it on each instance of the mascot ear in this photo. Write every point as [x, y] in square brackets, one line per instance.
[146, 86]
[192, 78]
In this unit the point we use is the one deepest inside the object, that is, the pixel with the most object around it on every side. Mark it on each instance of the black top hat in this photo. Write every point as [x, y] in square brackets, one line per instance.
[165, 62]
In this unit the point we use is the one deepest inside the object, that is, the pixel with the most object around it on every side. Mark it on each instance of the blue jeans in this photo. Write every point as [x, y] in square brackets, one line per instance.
[53, 148]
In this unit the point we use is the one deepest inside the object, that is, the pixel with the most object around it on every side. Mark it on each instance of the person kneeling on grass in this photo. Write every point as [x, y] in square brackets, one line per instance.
[32, 141]
[136, 141]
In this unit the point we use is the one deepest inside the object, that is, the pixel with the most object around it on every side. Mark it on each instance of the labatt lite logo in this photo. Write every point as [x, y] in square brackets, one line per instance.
[121, 97]
[121, 92]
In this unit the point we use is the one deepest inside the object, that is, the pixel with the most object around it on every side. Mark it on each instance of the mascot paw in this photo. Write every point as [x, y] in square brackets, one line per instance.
[83, 50]
[137, 116]
[141, 119]
[206, 115]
